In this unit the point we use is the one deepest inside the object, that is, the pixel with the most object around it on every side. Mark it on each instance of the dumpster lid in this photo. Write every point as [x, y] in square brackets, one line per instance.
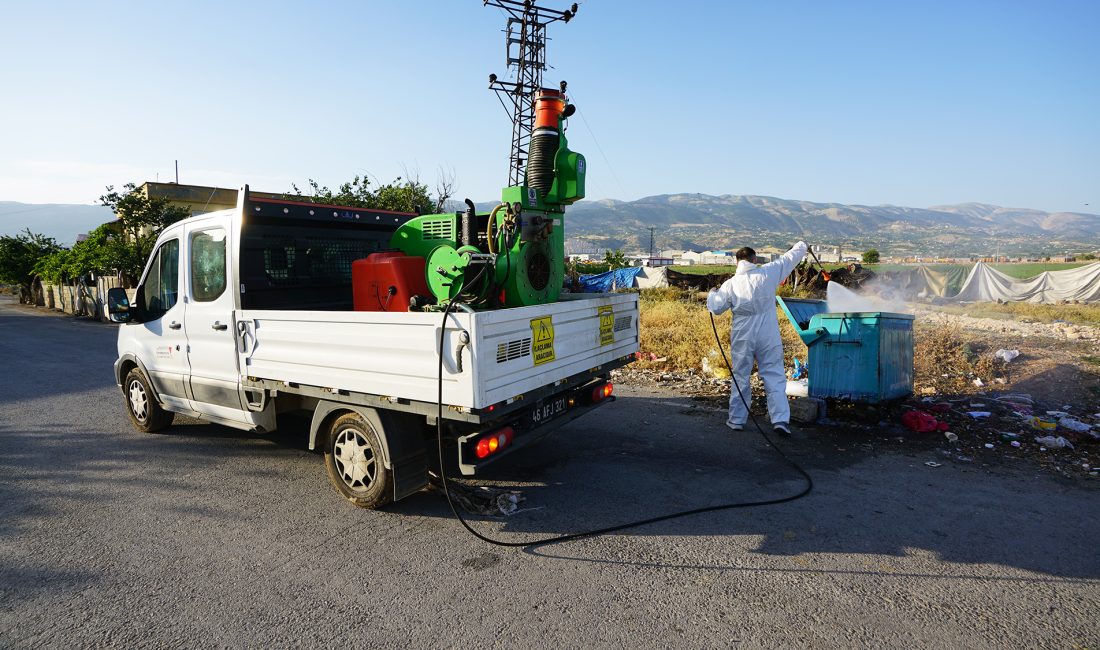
[800, 310]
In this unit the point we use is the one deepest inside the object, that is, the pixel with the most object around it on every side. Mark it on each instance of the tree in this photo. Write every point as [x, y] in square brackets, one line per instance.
[870, 256]
[401, 195]
[19, 254]
[121, 246]
[140, 220]
[615, 259]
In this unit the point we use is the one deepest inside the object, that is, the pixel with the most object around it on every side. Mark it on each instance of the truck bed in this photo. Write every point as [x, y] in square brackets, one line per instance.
[394, 355]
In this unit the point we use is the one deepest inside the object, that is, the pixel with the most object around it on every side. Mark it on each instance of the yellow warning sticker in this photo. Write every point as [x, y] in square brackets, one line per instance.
[542, 336]
[607, 325]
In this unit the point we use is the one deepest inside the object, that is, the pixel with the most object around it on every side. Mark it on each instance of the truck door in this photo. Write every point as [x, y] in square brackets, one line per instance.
[162, 341]
[209, 318]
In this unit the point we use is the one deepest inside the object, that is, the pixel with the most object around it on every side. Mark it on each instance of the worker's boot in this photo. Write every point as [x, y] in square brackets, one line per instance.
[782, 428]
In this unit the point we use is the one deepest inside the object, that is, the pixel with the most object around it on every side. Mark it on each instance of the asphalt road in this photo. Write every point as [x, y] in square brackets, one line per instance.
[206, 536]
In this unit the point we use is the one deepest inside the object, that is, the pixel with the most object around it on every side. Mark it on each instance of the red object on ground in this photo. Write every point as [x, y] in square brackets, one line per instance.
[922, 422]
[386, 281]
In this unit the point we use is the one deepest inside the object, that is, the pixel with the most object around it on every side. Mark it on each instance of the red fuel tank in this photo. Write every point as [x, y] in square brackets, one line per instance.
[386, 281]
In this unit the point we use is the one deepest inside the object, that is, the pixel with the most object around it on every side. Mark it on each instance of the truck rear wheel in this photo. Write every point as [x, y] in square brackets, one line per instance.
[355, 462]
[141, 405]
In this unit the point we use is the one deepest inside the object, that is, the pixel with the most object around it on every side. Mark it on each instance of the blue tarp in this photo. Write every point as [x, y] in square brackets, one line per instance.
[602, 282]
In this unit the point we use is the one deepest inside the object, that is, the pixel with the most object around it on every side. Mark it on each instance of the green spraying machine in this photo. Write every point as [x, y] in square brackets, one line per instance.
[514, 255]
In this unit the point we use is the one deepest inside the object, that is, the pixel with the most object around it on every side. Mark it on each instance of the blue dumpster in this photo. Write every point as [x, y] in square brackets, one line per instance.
[861, 356]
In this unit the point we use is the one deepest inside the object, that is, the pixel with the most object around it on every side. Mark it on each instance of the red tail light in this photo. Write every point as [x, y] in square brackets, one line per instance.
[602, 392]
[493, 442]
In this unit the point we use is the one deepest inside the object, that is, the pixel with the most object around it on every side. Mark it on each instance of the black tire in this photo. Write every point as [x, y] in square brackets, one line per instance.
[145, 412]
[355, 462]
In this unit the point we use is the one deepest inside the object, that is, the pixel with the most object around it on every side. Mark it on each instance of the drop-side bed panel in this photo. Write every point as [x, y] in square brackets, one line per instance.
[394, 354]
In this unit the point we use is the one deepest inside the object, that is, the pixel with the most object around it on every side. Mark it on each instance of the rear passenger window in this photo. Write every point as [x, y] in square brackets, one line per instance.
[207, 264]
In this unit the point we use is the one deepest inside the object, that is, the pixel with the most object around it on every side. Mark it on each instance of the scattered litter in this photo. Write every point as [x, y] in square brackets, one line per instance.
[950, 436]
[978, 382]
[801, 371]
[1057, 414]
[978, 414]
[1015, 443]
[989, 445]
[1006, 355]
[922, 422]
[1073, 424]
[933, 463]
[1054, 442]
[798, 387]
[1043, 424]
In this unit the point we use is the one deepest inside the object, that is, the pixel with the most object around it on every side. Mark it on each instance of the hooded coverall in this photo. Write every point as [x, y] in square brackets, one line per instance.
[750, 295]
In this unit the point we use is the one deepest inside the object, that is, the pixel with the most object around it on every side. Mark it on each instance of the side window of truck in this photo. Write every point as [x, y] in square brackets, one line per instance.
[207, 264]
[161, 287]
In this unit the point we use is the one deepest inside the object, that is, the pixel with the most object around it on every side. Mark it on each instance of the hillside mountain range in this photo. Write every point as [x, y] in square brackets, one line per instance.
[62, 221]
[699, 221]
[702, 221]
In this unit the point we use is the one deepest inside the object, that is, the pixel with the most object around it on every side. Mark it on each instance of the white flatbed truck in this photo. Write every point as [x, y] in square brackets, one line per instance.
[245, 314]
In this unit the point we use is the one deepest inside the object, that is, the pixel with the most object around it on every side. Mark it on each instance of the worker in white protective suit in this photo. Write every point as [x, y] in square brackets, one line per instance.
[750, 296]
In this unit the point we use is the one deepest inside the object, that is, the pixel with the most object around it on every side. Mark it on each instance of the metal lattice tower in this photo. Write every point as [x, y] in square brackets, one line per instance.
[526, 55]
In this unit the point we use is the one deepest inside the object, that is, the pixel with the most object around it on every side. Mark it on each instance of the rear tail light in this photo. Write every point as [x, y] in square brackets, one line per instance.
[493, 442]
[602, 392]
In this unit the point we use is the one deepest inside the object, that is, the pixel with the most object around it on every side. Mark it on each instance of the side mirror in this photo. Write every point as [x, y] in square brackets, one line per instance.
[118, 306]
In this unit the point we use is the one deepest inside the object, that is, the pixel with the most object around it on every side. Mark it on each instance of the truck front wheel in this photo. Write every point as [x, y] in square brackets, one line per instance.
[145, 413]
[355, 462]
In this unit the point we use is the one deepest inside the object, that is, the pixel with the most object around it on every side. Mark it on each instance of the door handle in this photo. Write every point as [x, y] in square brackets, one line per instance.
[219, 327]
[174, 325]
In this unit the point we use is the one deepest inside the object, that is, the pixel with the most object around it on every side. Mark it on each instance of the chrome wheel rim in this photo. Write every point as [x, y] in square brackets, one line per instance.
[355, 460]
[139, 401]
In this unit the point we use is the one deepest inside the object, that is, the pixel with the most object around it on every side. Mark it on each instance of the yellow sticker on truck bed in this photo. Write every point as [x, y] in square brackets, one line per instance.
[542, 337]
[607, 325]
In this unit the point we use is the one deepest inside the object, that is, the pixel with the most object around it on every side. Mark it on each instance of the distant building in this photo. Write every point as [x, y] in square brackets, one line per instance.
[199, 199]
[657, 261]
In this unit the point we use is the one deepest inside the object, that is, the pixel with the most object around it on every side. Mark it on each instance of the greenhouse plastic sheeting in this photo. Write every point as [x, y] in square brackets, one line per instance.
[609, 281]
[652, 278]
[985, 284]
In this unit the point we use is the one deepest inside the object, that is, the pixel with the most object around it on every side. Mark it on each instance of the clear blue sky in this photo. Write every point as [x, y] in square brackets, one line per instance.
[910, 103]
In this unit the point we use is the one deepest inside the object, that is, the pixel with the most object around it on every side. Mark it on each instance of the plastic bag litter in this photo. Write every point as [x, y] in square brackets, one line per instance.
[1073, 424]
[1042, 424]
[1054, 442]
[978, 382]
[979, 414]
[1006, 355]
[798, 388]
[714, 366]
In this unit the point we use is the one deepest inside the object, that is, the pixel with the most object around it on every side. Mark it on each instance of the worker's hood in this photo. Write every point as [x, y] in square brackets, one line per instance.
[745, 266]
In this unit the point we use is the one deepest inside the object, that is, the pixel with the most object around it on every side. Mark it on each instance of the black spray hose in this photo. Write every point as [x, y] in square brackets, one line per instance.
[610, 529]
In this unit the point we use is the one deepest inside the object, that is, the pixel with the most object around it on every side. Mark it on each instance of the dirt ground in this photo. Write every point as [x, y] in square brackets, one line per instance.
[1057, 371]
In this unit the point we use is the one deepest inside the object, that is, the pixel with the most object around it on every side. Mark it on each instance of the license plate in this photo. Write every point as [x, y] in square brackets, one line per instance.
[547, 411]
